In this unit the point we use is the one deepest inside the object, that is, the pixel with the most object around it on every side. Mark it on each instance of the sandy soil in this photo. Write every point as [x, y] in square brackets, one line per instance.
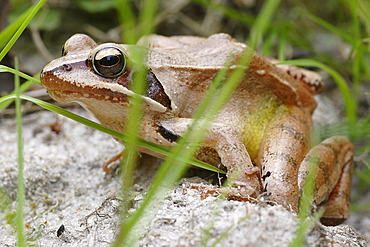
[66, 188]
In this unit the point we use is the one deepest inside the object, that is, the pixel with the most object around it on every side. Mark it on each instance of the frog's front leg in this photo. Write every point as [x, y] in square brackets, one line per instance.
[232, 152]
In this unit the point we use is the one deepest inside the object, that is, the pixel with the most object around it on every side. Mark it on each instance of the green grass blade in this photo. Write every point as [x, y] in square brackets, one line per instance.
[358, 57]
[146, 20]
[263, 21]
[306, 223]
[147, 16]
[145, 144]
[227, 232]
[238, 15]
[4, 68]
[304, 226]
[363, 12]
[131, 145]
[7, 33]
[20, 187]
[344, 35]
[136, 103]
[127, 20]
[20, 30]
[22, 88]
[6, 207]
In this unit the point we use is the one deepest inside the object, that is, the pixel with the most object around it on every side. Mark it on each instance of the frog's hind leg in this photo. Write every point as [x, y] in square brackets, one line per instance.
[285, 143]
[334, 159]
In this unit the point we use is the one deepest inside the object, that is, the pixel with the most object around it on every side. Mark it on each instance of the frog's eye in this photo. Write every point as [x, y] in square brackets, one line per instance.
[109, 62]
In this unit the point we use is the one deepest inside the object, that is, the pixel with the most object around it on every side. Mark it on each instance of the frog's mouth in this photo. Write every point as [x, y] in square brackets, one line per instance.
[75, 82]
[68, 91]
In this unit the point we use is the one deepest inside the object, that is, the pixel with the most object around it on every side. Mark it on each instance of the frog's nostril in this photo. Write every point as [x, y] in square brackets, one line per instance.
[66, 67]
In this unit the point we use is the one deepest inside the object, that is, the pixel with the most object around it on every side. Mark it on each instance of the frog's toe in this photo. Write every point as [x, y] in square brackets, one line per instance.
[241, 192]
[332, 221]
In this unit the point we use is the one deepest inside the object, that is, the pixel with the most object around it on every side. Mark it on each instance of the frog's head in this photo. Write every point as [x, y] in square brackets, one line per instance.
[89, 73]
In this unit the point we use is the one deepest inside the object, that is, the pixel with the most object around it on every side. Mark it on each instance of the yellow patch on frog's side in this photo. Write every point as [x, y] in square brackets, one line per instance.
[256, 122]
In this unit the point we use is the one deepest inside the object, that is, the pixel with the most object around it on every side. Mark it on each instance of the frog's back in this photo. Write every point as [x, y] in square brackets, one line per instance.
[192, 52]
[193, 62]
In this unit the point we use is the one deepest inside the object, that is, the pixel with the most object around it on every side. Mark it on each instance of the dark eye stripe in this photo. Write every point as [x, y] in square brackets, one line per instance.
[156, 92]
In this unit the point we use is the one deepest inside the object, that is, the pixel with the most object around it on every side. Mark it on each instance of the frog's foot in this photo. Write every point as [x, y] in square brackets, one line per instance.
[335, 155]
[337, 208]
[111, 164]
[205, 190]
[239, 192]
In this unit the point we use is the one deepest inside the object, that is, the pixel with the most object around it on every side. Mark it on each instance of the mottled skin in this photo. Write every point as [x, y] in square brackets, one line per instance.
[262, 134]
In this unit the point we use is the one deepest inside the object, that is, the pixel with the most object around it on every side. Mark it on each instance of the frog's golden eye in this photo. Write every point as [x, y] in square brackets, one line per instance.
[109, 62]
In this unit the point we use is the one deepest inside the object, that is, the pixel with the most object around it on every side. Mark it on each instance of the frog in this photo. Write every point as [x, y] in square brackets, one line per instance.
[262, 136]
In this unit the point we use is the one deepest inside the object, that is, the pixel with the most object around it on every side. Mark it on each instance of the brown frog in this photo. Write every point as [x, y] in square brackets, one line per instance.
[263, 131]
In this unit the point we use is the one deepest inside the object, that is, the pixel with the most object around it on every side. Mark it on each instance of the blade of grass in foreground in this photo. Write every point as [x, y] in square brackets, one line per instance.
[7, 32]
[145, 144]
[135, 111]
[132, 127]
[348, 37]
[235, 14]
[22, 87]
[20, 30]
[305, 223]
[127, 20]
[258, 30]
[4, 68]
[20, 187]
[262, 22]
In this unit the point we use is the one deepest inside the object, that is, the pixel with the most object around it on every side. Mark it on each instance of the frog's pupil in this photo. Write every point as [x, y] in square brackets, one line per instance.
[109, 60]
